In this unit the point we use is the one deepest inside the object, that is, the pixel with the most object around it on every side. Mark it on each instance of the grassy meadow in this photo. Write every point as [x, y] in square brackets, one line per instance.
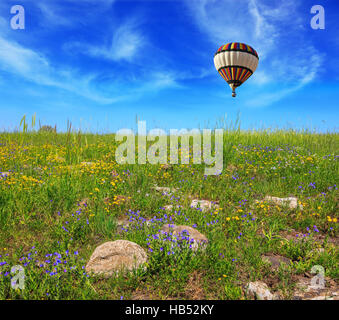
[61, 195]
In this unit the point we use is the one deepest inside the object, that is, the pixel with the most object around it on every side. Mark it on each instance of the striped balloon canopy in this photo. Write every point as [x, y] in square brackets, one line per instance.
[236, 62]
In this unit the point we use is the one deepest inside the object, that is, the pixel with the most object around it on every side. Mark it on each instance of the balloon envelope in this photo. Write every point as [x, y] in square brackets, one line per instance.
[236, 62]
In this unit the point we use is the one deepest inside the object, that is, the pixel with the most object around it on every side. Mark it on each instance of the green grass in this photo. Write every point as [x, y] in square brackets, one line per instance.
[41, 218]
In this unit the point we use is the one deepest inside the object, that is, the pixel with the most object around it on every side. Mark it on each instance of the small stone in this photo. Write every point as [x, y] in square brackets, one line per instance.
[204, 205]
[166, 167]
[291, 202]
[164, 190]
[116, 256]
[260, 291]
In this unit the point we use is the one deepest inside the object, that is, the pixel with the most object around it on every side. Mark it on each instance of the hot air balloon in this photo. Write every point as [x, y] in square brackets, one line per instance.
[236, 62]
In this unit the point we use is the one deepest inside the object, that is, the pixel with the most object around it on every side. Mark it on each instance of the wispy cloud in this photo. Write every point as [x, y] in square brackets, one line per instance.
[270, 27]
[126, 43]
[30, 65]
[52, 16]
[301, 76]
[33, 66]
[134, 65]
[68, 13]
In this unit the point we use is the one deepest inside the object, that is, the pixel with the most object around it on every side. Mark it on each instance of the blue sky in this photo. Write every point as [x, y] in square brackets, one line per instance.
[101, 63]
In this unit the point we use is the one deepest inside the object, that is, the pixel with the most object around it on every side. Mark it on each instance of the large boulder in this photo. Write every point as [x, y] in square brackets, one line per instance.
[116, 256]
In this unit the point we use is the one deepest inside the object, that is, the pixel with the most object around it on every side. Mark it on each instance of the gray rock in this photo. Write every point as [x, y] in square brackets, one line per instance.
[164, 190]
[204, 205]
[291, 202]
[260, 291]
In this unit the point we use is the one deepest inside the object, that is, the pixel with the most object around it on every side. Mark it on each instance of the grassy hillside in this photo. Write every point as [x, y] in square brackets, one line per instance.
[61, 196]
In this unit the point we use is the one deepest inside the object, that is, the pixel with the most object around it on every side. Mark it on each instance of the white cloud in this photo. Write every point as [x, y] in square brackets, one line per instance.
[159, 80]
[35, 67]
[262, 78]
[59, 13]
[126, 43]
[25, 62]
[301, 75]
[268, 26]
[52, 15]
[32, 66]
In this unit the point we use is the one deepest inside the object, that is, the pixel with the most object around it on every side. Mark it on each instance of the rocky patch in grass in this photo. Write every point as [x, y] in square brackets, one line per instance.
[194, 288]
[275, 261]
[295, 236]
[308, 289]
